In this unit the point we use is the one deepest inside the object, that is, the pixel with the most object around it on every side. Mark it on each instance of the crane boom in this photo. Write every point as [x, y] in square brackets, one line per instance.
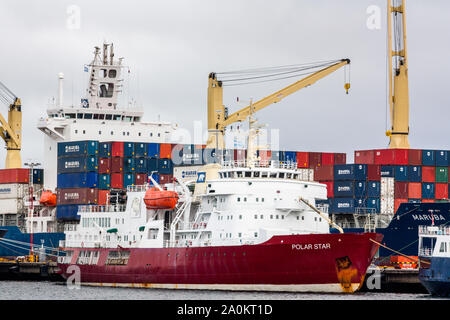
[218, 118]
[398, 77]
[11, 130]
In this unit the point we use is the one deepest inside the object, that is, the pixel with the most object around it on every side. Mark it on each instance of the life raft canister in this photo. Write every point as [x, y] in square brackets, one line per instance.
[160, 199]
[48, 199]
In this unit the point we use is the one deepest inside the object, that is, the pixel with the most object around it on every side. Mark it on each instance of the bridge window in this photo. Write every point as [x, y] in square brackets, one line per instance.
[443, 248]
[112, 73]
[281, 175]
[108, 117]
[117, 117]
[248, 174]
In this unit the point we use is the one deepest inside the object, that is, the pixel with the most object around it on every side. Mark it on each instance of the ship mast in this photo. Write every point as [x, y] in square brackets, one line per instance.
[398, 75]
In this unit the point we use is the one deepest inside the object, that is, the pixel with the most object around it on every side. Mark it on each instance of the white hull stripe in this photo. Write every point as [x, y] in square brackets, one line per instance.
[323, 288]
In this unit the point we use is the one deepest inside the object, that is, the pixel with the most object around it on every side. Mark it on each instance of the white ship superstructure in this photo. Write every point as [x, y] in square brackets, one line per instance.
[243, 205]
[98, 116]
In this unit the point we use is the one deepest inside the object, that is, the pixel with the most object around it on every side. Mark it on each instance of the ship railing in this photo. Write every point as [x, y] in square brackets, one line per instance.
[260, 164]
[137, 188]
[102, 208]
[192, 225]
[434, 230]
[186, 243]
[364, 210]
[425, 252]
[70, 227]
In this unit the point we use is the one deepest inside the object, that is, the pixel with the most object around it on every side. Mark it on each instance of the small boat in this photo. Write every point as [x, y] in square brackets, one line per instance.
[160, 199]
[48, 198]
[434, 253]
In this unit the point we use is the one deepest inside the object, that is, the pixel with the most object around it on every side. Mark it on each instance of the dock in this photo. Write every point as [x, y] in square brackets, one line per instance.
[393, 280]
[15, 270]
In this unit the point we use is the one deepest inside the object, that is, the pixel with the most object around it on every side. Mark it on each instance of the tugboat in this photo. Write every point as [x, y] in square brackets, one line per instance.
[434, 253]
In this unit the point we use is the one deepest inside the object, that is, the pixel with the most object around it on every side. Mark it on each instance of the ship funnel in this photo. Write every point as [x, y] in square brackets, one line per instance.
[60, 89]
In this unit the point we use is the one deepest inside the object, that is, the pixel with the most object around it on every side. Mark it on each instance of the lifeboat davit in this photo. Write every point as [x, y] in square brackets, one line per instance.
[160, 199]
[48, 199]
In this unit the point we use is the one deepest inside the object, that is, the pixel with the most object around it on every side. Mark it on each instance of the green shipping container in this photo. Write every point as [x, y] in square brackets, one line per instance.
[442, 174]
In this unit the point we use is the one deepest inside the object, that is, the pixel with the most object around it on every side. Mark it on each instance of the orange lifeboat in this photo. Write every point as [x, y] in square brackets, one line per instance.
[160, 199]
[48, 198]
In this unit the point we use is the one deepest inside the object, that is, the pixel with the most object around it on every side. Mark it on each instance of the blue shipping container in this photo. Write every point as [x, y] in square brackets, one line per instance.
[343, 205]
[78, 148]
[442, 158]
[415, 174]
[165, 166]
[77, 180]
[104, 150]
[141, 165]
[375, 204]
[128, 179]
[77, 164]
[290, 156]
[67, 212]
[128, 149]
[428, 190]
[360, 189]
[129, 165]
[373, 189]
[350, 172]
[401, 173]
[155, 177]
[153, 150]
[325, 202]
[360, 202]
[104, 181]
[152, 165]
[140, 149]
[343, 189]
[387, 171]
[38, 176]
[428, 158]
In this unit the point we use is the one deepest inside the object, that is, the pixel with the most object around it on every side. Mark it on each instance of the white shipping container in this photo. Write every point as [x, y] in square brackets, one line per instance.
[187, 173]
[387, 205]
[387, 187]
[13, 190]
[11, 206]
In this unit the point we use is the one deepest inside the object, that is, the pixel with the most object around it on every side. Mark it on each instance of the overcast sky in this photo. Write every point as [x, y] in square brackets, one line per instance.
[171, 47]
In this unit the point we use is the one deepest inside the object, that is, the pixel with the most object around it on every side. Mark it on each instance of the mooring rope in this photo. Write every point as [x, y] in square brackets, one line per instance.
[399, 253]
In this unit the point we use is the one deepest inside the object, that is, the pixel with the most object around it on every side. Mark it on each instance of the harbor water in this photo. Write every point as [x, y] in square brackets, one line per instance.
[46, 290]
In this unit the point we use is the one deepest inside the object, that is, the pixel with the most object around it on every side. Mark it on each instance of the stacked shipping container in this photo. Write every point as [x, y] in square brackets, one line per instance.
[418, 175]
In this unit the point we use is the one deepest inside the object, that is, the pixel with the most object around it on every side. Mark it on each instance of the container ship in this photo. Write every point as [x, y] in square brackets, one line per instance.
[99, 149]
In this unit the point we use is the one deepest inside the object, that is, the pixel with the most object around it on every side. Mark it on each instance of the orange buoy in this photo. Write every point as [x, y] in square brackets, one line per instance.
[48, 198]
[157, 199]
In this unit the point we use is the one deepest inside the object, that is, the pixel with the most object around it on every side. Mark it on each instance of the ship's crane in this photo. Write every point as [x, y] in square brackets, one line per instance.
[218, 118]
[11, 131]
[398, 75]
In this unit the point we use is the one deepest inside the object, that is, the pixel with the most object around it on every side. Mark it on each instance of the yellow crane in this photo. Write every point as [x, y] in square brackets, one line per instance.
[218, 119]
[398, 76]
[11, 131]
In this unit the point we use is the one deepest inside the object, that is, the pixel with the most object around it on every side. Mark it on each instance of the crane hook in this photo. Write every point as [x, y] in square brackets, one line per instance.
[347, 86]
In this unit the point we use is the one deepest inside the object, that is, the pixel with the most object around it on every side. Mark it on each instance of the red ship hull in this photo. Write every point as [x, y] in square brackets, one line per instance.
[302, 263]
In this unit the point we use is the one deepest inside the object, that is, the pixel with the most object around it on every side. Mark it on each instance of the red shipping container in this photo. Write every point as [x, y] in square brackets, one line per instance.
[116, 165]
[117, 180]
[428, 174]
[77, 196]
[441, 191]
[140, 179]
[330, 188]
[327, 159]
[414, 190]
[302, 159]
[324, 173]
[104, 165]
[401, 190]
[264, 155]
[391, 156]
[315, 159]
[373, 172]
[240, 154]
[365, 157]
[116, 149]
[18, 175]
[165, 150]
[414, 157]
[165, 178]
[340, 158]
[397, 203]
[428, 200]
[103, 197]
